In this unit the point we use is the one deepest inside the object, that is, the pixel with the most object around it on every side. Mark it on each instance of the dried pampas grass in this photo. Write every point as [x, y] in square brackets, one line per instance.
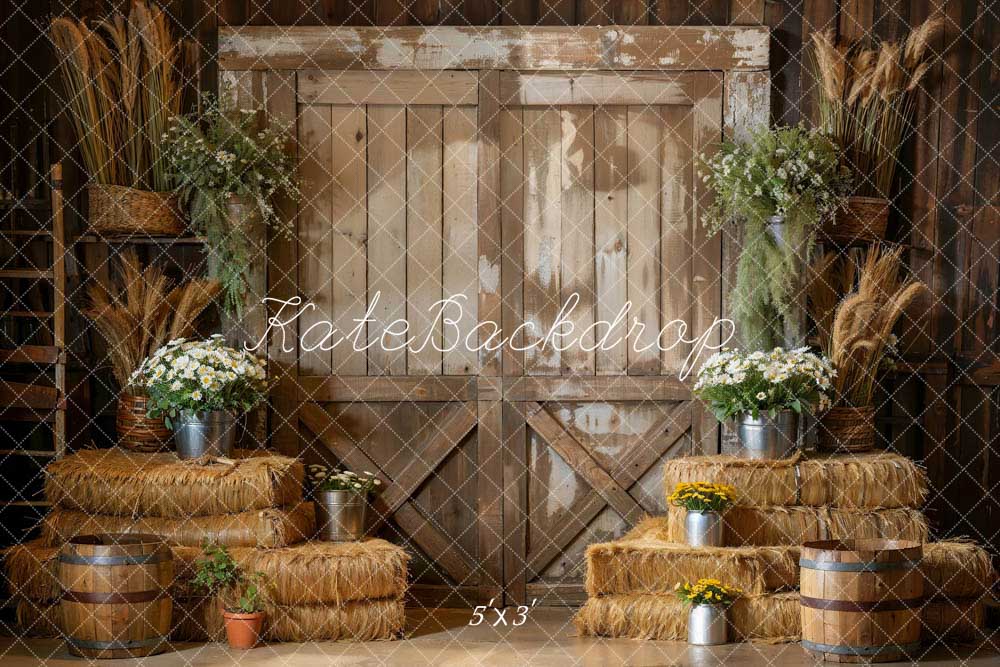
[117, 482]
[143, 313]
[876, 480]
[777, 526]
[275, 527]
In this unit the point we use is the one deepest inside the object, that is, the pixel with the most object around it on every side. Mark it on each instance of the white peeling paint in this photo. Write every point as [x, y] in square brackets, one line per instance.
[489, 275]
[749, 47]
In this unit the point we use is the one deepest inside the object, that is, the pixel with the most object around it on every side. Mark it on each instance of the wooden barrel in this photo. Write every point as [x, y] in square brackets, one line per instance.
[115, 601]
[861, 599]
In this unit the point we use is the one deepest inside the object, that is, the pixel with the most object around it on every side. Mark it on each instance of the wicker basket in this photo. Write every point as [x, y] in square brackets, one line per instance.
[119, 210]
[861, 220]
[138, 432]
[847, 430]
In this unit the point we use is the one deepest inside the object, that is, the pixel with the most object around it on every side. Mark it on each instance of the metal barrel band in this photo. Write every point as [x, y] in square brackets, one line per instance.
[132, 597]
[140, 559]
[841, 649]
[863, 607]
[866, 566]
[115, 645]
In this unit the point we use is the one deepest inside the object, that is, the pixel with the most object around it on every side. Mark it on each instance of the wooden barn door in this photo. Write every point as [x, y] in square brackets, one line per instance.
[600, 202]
[388, 227]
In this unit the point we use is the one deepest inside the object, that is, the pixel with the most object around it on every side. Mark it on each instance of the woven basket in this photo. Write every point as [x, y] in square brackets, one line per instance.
[847, 430]
[138, 432]
[119, 210]
[861, 220]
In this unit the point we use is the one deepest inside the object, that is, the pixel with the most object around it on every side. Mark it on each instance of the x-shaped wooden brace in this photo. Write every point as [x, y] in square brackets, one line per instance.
[609, 490]
[395, 501]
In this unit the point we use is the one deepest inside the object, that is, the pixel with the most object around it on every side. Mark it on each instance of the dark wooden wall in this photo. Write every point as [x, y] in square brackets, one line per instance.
[944, 408]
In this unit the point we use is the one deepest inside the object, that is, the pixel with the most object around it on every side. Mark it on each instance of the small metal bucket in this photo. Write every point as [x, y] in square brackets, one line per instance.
[340, 516]
[703, 529]
[707, 625]
[200, 433]
[776, 226]
[765, 438]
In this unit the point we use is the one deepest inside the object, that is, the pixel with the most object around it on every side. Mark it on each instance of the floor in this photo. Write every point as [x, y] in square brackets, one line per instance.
[445, 639]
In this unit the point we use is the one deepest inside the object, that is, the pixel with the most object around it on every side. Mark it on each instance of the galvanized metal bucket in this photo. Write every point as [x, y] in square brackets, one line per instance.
[340, 516]
[703, 529]
[765, 438]
[707, 625]
[776, 225]
[199, 433]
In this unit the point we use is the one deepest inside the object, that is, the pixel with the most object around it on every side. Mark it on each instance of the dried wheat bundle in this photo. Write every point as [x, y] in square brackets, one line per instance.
[641, 564]
[777, 526]
[875, 480]
[122, 85]
[117, 482]
[863, 322]
[768, 618]
[142, 312]
[275, 527]
[865, 98]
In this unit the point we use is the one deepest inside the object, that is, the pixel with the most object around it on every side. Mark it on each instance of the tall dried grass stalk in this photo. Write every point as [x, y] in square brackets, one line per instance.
[141, 312]
[828, 278]
[860, 334]
[865, 99]
[123, 84]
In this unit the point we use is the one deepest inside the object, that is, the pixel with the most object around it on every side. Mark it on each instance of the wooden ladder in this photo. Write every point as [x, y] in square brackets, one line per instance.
[29, 402]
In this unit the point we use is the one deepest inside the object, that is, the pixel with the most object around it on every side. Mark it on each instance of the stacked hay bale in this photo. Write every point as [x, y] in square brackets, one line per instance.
[253, 505]
[780, 504]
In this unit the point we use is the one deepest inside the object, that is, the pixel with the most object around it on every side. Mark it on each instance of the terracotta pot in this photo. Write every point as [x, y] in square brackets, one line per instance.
[243, 630]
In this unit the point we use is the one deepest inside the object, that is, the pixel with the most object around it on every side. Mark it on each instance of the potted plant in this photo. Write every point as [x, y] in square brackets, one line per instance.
[709, 600]
[241, 595]
[765, 392]
[865, 98]
[858, 339]
[200, 388]
[136, 316]
[779, 184]
[705, 502]
[123, 84]
[228, 170]
[341, 501]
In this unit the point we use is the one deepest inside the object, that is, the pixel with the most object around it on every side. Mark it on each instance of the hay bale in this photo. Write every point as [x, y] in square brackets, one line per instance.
[37, 619]
[956, 569]
[954, 620]
[776, 526]
[31, 571]
[640, 563]
[121, 483]
[868, 480]
[314, 572]
[662, 616]
[274, 527]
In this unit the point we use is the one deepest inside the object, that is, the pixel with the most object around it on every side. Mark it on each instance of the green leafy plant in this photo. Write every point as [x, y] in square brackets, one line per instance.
[325, 479]
[733, 382]
[218, 574]
[789, 172]
[702, 496]
[221, 154]
[201, 376]
[707, 591]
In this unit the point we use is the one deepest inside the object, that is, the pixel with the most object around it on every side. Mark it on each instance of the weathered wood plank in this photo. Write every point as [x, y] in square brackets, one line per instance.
[423, 237]
[515, 502]
[611, 236]
[386, 389]
[577, 209]
[512, 224]
[542, 237]
[605, 388]
[387, 238]
[489, 495]
[556, 88]
[514, 47]
[644, 137]
[348, 260]
[399, 87]
[488, 210]
[677, 165]
[460, 270]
